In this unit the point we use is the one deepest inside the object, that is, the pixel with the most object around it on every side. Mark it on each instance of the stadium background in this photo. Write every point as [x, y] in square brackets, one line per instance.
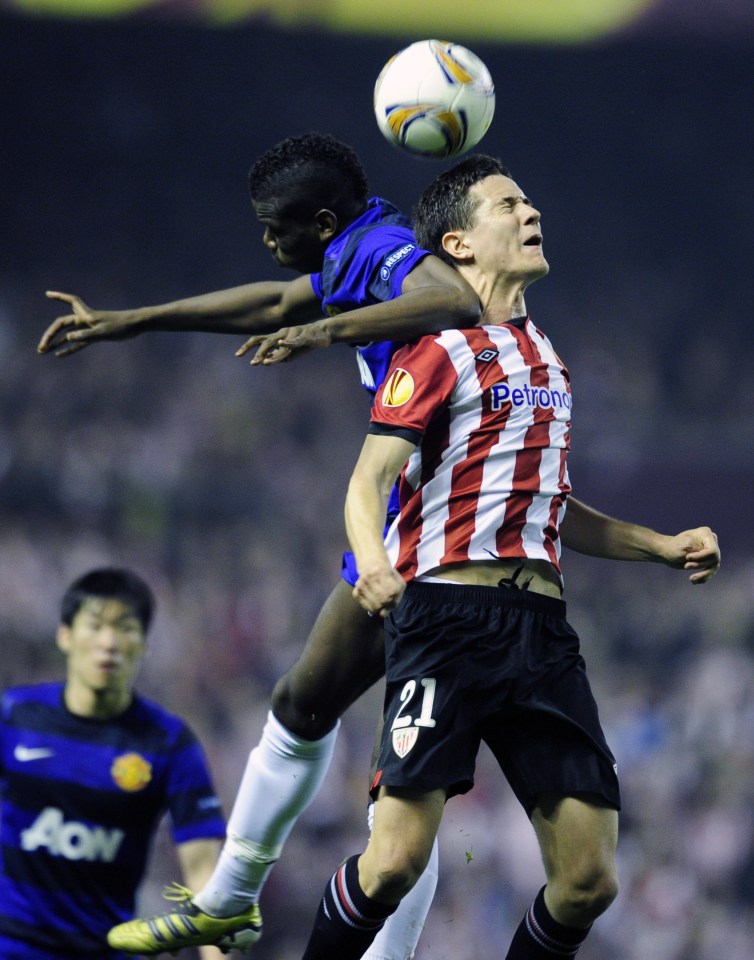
[127, 132]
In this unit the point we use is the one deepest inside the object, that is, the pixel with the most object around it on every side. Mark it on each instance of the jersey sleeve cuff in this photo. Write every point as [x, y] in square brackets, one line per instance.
[388, 430]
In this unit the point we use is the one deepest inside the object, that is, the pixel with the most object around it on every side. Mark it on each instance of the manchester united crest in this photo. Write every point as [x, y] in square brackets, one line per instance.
[131, 772]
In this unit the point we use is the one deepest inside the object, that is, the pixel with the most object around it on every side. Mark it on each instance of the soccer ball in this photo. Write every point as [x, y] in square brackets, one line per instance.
[434, 99]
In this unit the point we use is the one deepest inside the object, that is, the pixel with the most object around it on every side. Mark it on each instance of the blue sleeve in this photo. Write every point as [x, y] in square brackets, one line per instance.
[195, 809]
[389, 253]
[369, 267]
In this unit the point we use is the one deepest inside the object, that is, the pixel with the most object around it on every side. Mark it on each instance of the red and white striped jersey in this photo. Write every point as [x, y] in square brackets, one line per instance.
[490, 410]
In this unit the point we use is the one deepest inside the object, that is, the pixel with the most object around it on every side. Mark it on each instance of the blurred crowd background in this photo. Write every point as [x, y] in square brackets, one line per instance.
[124, 149]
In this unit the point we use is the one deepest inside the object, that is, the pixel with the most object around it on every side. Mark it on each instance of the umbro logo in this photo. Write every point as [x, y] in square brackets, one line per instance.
[23, 754]
[486, 355]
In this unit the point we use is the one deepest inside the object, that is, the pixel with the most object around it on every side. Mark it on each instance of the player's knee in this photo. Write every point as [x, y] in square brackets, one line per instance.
[393, 877]
[587, 895]
[600, 893]
[302, 708]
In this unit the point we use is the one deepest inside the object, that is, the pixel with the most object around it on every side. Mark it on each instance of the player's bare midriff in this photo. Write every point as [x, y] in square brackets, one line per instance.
[539, 576]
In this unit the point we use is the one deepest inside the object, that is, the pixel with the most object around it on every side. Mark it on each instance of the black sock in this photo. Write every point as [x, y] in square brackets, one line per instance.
[347, 919]
[539, 937]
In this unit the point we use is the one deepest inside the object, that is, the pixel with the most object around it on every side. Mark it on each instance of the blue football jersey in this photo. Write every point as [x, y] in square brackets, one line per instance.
[366, 264]
[81, 800]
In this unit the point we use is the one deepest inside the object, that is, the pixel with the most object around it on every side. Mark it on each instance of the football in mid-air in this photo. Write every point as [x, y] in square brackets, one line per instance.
[434, 99]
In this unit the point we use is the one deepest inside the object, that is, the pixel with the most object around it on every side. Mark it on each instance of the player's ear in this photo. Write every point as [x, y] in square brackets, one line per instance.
[327, 224]
[455, 245]
[63, 638]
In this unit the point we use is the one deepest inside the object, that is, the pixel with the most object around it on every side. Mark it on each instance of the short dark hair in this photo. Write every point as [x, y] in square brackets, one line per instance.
[445, 204]
[111, 583]
[311, 172]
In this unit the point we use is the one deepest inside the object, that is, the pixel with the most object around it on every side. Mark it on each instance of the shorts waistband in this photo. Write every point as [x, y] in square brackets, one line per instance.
[487, 596]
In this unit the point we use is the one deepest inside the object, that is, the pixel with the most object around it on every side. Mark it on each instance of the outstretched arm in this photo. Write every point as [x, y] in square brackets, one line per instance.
[590, 532]
[434, 297]
[379, 587]
[254, 307]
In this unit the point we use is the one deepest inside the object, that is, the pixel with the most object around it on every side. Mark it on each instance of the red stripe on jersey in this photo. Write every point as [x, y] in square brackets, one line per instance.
[411, 520]
[467, 475]
[526, 478]
[434, 378]
[552, 530]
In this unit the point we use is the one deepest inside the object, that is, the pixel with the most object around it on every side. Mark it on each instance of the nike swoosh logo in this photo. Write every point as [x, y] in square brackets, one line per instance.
[22, 753]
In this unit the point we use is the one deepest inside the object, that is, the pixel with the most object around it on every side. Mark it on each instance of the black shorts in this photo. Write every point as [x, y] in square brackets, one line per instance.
[496, 664]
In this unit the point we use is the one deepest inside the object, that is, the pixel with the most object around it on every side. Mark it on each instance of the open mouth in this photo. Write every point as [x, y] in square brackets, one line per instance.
[535, 241]
[108, 666]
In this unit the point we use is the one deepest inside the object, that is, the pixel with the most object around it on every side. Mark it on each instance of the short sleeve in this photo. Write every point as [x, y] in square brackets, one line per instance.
[195, 809]
[418, 387]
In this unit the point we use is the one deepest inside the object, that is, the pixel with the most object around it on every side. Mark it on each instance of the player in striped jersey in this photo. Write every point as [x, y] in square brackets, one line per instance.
[357, 255]
[477, 423]
[88, 770]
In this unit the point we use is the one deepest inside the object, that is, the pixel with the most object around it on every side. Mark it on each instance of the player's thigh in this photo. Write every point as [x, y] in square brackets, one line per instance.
[578, 838]
[343, 656]
[405, 826]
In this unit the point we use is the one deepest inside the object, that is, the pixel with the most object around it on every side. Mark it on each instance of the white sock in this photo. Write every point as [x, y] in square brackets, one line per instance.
[398, 938]
[282, 775]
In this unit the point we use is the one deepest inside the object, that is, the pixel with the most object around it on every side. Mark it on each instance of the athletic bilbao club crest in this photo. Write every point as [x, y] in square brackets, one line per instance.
[131, 772]
[404, 739]
[399, 388]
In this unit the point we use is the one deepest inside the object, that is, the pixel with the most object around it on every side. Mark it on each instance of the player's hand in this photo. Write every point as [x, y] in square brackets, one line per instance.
[286, 344]
[379, 590]
[696, 550]
[74, 331]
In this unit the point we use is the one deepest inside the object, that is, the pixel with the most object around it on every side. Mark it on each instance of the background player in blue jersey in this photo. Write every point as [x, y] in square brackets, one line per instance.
[88, 770]
[356, 255]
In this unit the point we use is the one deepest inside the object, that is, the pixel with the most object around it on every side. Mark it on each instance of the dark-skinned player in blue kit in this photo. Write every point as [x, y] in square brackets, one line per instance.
[364, 278]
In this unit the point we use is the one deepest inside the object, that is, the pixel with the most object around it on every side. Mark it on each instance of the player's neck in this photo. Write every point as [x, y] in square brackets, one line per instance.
[501, 294]
[82, 701]
[501, 304]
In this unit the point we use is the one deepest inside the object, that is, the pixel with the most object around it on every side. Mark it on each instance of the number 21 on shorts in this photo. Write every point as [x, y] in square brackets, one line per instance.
[405, 729]
[407, 695]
